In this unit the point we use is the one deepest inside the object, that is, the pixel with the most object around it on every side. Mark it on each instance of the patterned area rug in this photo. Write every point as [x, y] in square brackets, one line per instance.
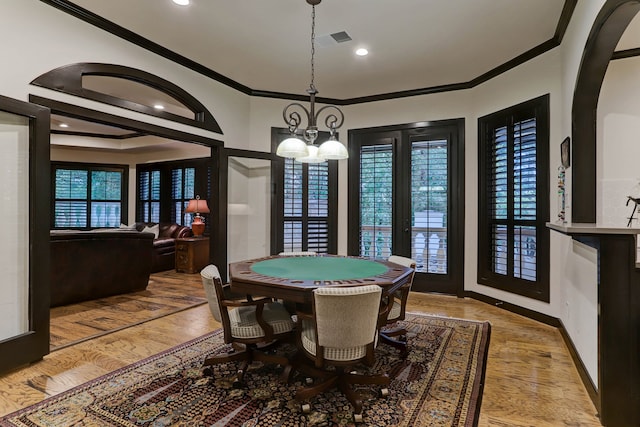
[439, 384]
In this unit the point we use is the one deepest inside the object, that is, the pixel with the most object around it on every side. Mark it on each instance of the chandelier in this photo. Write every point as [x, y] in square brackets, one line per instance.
[305, 150]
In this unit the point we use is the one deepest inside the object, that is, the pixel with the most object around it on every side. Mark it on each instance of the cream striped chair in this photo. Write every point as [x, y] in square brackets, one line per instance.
[397, 309]
[341, 332]
[298, 253]
[246, 323]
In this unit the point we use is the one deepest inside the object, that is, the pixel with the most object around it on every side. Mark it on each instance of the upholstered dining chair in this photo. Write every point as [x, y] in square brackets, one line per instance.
[397, 308]
[341, 332]
[298, 253]
[252, 326]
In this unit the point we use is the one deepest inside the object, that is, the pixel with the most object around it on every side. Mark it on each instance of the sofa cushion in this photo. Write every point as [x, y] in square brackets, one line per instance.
[155, 229]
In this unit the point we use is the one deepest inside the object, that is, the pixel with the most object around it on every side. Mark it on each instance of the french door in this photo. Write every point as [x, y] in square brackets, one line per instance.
[24, 256]
[406, 197]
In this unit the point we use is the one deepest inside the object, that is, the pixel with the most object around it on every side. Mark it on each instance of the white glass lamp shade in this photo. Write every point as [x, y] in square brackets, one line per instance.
[292, 147]
[333, 150]
[312, 157]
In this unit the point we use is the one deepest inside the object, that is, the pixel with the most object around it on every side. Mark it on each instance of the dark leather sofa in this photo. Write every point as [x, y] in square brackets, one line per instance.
[86, 265]
[164, 247]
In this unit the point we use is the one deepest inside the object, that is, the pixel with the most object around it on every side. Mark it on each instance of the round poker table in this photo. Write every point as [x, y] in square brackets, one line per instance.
[293, 278]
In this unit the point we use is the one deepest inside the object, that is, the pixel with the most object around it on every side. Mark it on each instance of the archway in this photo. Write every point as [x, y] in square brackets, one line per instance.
[610, 24]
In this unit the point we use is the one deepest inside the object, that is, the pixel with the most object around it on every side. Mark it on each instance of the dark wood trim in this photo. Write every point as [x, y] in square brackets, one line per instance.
[68, 79]
[540, 288]
[277, 207]
[82, 113]
[89, 167]
[400, 137]
[34, 343]
[97, 135]
[592, 391]
[93, 19]
[551, 321]
[220, 255]
[607, 29]
[530, 314]
[627, 53]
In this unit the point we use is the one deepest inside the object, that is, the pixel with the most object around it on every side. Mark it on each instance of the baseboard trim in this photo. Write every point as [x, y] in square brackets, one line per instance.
[591, 389]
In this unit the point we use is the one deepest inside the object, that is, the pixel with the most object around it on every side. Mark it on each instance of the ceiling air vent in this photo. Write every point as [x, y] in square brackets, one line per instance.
[341, 37]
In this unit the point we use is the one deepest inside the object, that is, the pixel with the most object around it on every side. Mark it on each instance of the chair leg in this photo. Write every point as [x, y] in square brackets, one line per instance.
[387, 338]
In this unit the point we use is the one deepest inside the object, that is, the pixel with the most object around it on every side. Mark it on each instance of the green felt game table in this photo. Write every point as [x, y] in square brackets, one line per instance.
[293, 278]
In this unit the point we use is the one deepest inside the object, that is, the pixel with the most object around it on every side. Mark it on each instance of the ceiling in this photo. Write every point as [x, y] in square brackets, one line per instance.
[265, 45]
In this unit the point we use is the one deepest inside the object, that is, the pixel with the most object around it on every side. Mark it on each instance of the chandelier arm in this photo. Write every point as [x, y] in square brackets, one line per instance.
[334, 119]
[293, 117]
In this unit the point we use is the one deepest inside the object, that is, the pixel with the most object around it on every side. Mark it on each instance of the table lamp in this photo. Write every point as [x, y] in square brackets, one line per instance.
[197, 206]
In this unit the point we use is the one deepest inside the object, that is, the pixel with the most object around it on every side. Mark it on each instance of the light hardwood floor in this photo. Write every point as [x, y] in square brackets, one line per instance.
[530, 380]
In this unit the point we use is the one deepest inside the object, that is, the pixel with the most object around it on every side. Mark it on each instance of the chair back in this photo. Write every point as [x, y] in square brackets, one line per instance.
[213, 288]
[405, 262]
[298, 253]
[346, 317]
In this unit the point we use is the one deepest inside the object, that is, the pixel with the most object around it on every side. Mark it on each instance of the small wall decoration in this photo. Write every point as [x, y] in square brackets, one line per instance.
[565, 152]
[561, 195]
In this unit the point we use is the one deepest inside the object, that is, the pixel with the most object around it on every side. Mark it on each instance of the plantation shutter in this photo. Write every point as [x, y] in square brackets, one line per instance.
[70, 206]
[376, 197]
[182, 190]
[149, 196]
[306, 207]
[318, 207]
[513, 199]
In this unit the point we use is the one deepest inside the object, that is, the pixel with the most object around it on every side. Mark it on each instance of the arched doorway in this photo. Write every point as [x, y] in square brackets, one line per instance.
[610, 24]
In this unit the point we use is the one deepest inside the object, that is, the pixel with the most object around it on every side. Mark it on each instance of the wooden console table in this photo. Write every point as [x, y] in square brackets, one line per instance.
[618, 320]
[192, 254]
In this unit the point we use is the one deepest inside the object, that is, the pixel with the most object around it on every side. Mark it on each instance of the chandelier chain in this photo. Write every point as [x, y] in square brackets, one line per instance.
[313, 46]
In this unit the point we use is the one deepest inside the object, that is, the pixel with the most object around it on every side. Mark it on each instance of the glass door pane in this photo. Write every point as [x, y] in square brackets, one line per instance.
[14, 211]
[248, 208]
[429, 205]
[24, 256]
[376, 200]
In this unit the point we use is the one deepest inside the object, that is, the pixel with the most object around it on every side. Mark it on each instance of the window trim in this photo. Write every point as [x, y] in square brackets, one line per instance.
[540, 288]
[202, 187]
[277, 214]
[90, 167]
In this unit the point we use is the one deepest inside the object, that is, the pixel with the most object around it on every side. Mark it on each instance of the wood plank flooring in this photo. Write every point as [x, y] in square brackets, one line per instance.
[168, 292]
[530, 380]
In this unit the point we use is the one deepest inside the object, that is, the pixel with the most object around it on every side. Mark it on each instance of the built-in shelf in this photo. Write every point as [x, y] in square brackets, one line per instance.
[587, 228]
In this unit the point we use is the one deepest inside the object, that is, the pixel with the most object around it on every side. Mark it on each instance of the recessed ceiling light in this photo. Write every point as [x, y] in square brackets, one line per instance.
[181, 2]
[159, 107]
[63, 125]
[362, 52]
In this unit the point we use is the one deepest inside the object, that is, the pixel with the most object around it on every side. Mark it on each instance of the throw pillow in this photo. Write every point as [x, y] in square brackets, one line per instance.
[154, 229]
[128, 227]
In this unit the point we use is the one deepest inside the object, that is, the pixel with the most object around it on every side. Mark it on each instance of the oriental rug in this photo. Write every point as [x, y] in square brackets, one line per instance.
[440, 383]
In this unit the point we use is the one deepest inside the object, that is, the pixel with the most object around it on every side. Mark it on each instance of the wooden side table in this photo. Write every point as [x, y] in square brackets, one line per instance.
[192, 254]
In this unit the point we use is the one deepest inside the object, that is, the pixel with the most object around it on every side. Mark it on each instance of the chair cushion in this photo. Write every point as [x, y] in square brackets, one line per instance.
[395, 311]
[308, 336]
[244, 323]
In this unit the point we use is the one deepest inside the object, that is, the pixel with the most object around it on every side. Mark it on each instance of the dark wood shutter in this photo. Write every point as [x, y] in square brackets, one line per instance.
[513, 238]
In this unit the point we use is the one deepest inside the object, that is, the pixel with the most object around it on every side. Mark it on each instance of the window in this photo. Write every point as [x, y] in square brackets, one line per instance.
[513, 243]
[89, 196]
[182, 190]
[164, 189]
[308, 206]
[149, 196]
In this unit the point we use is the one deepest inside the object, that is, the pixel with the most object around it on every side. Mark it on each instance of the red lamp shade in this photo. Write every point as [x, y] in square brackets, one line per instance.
[197, 206]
